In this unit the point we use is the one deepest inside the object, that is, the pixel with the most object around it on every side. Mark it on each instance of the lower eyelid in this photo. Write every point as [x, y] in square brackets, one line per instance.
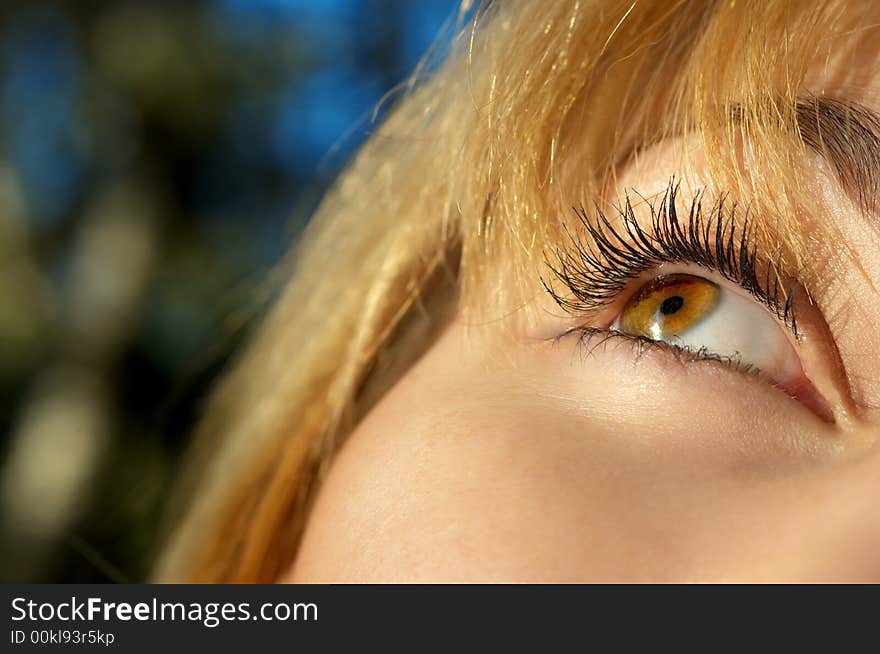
[590, 339]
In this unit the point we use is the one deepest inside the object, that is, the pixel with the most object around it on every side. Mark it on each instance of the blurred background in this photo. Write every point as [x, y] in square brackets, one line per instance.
[157, 157]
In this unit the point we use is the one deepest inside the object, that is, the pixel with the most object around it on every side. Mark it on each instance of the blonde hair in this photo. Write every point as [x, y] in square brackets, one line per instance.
[470, 179]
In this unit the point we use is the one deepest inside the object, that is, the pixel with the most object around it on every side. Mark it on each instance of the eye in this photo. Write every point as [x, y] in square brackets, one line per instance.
[669, 306]
[696, 314]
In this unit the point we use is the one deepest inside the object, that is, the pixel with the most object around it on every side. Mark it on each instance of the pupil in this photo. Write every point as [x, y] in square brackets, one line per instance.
[671, 305]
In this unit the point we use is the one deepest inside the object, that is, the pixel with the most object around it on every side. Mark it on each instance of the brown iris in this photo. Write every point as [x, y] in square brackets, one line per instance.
[668, 306]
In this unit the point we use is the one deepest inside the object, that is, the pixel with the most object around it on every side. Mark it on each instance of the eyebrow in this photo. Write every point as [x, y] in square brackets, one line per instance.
[847, 135]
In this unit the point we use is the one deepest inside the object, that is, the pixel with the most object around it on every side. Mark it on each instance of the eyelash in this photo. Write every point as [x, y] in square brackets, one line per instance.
[592, 338]
[597, 267]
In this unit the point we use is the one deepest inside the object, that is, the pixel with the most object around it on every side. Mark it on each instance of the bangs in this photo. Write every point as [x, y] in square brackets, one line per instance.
[565, 96]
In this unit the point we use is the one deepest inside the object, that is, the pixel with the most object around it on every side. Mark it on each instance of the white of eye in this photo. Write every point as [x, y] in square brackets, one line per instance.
[740, 329]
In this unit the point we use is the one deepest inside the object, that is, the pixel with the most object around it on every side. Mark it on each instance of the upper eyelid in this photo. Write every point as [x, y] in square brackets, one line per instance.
[595, 268]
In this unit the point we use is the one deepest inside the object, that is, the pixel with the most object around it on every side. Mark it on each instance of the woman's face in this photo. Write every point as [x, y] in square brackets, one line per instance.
[542, 452]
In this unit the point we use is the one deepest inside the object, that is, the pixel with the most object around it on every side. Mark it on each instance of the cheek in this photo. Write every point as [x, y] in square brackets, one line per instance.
[493, 491]
[463, 474]
[468, 475]
[434, 494]
[546, 469]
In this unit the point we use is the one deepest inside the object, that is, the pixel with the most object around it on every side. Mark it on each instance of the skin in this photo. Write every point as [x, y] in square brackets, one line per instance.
[504, 455]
